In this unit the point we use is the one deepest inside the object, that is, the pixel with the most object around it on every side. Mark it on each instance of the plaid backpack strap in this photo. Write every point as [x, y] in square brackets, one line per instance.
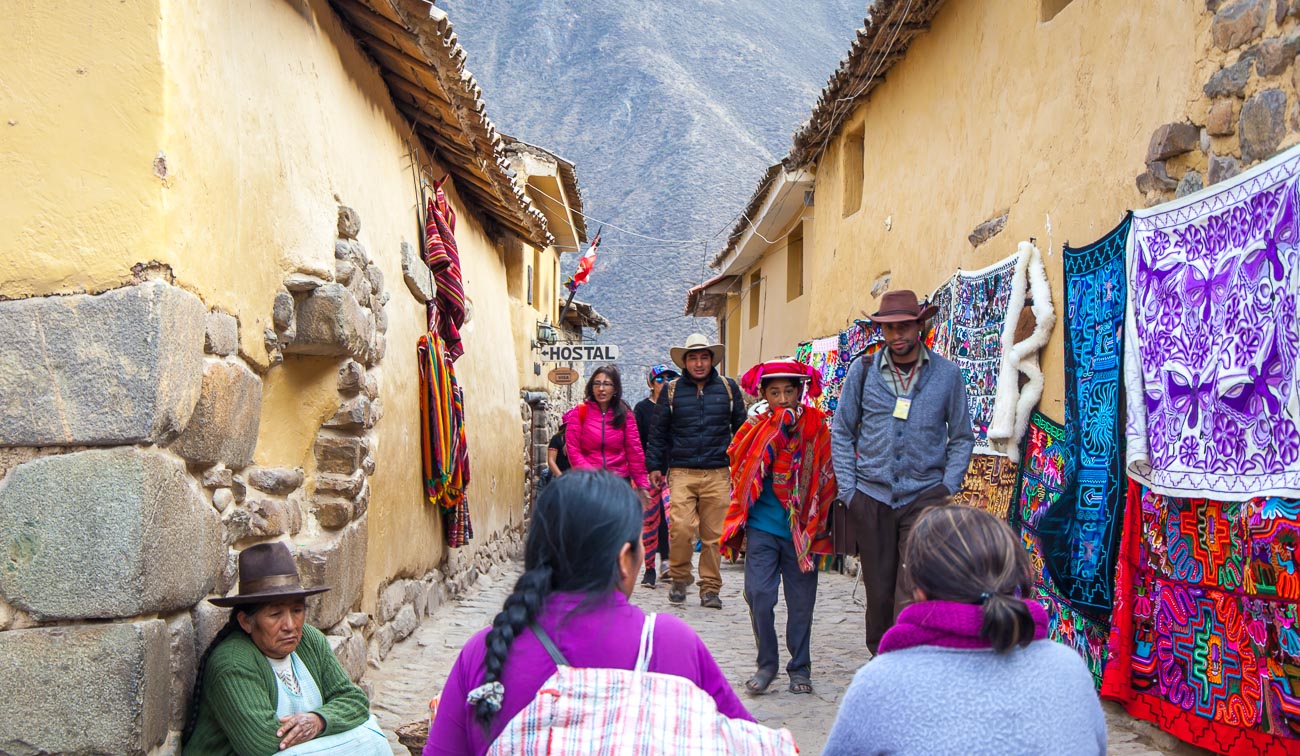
[548, 644]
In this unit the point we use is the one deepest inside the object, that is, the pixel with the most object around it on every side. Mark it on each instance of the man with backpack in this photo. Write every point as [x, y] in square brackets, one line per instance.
[900, 443]
[698, 415]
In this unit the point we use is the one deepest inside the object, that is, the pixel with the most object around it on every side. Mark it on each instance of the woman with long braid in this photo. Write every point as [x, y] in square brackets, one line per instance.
[582, 558]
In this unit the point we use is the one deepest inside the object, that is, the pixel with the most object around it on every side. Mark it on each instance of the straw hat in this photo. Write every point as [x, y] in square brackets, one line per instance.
[694, 343]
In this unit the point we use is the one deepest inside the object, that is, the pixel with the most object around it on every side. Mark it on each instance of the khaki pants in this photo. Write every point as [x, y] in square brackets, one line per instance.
[699, 502]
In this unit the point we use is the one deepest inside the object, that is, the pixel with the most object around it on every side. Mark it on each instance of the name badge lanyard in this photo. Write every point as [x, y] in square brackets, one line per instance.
[903, 404]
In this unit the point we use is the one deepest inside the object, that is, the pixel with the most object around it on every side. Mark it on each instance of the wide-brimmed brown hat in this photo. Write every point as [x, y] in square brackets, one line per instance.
[901, 306]
[267, 573]
[694, 343]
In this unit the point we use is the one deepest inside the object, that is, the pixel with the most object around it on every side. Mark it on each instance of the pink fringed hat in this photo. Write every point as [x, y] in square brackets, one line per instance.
[783, 367]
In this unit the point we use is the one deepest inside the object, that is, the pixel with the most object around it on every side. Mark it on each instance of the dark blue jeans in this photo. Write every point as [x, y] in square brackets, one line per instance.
[769, 561]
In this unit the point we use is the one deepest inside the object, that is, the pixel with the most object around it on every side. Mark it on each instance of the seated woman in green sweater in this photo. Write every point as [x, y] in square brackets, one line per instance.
[269, 682]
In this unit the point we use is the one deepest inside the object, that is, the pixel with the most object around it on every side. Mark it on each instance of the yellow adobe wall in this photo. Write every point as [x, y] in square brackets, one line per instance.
[526, 317]
[273, 118]
[81, 98]
[732, 325]
[267, 117]
[992, 110]
[782, 323]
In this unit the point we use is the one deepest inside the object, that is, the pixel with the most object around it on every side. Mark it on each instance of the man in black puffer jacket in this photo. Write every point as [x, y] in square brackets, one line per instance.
[698, 415]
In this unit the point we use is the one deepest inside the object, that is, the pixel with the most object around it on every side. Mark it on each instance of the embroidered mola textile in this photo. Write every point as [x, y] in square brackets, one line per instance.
[1212, 339]
[1206, 640]
[1045, 472]
[1015, 401]
[990, 484]
[974, 312]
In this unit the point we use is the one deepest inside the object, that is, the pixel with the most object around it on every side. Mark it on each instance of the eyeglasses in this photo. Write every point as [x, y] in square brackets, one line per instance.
[602, 384]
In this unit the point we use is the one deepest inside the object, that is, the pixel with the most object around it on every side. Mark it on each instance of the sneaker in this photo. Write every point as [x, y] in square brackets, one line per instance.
[663, 573]
[677, 594]
[648, 580]
[710, 601]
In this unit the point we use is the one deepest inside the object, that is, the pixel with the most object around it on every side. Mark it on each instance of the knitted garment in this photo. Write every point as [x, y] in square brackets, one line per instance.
[927, 700]
[795, 448]
[893, 460]
[949, 624]
[237, 711]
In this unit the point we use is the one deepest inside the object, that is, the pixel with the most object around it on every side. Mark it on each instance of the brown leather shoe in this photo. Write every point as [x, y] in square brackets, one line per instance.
[711, 601]
[677, 594]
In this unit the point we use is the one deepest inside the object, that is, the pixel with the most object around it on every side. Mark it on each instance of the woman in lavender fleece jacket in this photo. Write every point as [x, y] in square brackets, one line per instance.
[582, 558]
[968, 668]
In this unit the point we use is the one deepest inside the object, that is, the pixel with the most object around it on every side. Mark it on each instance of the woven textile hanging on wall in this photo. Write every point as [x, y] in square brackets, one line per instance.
[973, 308]
[990, 484]
[1206, 639]
[444, 451]
[1088, 514]
[1212, 339]
[1044, 475]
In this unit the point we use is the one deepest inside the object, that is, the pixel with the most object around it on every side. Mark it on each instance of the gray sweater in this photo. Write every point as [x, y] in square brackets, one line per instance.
[933, 700]
[894, 460]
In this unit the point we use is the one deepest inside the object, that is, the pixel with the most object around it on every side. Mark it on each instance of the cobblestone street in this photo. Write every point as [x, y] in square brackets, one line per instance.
[417, 668]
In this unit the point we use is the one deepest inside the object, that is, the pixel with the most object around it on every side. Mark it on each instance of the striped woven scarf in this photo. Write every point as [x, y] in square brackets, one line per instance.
[795, 447]
[444, 453]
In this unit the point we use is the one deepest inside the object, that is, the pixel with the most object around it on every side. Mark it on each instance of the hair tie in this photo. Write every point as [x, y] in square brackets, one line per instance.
[984, 596]
[491, 693]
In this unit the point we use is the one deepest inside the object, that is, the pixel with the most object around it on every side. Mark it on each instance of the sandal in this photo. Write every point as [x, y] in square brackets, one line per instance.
[758, 684]
[800, 684]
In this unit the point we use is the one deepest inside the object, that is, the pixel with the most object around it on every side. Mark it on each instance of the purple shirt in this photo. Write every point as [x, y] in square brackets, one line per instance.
[604, 636]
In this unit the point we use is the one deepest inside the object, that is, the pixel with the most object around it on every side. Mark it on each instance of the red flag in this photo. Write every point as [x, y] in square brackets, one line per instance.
[586, 263]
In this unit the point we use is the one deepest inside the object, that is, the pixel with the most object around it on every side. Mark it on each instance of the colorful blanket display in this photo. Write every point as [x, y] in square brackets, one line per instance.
[442, 439]
[1212, 339]
[973, 308]
[442, 403]
[1014, 401]
[990, 484]
[448, 309]
[1045, 473]
[1206, 641]
[832, 356]
[1087, 518]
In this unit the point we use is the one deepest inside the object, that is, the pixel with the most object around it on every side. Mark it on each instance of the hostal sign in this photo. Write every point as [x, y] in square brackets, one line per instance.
[579, 353]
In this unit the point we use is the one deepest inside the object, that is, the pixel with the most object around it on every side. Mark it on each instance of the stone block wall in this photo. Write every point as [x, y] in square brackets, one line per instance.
[125, 413]
[1250, 104]
[128, 487]
[404, 602]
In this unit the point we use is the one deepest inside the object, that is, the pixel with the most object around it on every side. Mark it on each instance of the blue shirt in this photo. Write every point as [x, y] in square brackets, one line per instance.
[767, 514]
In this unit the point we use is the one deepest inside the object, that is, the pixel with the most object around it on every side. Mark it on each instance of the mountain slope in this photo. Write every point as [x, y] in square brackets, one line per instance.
[671, 112]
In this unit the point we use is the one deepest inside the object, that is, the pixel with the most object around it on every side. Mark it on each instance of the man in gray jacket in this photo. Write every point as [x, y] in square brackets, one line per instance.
[900, 443]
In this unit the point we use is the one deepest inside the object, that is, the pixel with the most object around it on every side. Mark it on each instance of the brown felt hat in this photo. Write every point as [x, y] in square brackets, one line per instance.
[267, 572]
[901, 306]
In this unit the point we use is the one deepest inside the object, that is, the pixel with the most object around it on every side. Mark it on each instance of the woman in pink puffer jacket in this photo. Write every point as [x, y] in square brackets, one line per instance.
[601, 432]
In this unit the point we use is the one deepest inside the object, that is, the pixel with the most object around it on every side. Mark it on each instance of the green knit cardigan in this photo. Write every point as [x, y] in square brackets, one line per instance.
[237, 709]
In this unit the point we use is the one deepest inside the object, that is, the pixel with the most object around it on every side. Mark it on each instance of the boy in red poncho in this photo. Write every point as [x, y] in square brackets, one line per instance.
[782, 486]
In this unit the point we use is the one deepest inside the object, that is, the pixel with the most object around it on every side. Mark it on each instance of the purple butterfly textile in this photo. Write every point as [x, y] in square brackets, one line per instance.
[1212, 339]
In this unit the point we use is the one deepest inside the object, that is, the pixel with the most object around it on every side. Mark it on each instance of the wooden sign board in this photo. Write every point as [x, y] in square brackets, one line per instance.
[579, 353]
[563, 376]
